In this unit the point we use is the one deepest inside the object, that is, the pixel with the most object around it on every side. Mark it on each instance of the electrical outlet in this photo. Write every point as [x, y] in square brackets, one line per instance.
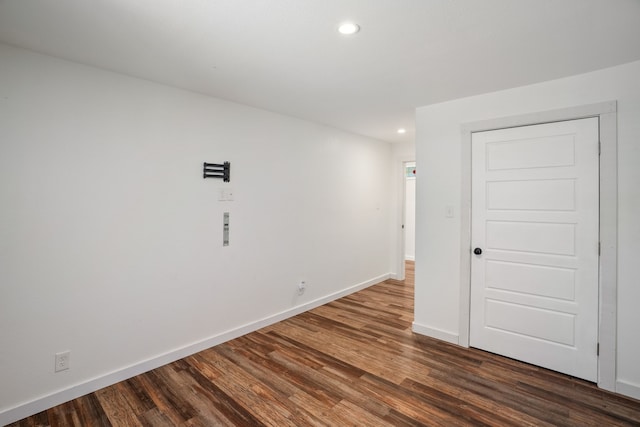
[62, 361]
[301, 287]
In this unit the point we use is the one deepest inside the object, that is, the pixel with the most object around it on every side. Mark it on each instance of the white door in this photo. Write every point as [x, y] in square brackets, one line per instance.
[535, 213]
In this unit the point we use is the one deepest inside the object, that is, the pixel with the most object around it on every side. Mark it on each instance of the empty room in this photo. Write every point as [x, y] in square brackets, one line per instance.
[319, 212]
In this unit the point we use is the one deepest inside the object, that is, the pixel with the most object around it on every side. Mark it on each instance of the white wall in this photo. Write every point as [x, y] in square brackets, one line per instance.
[410, 216]
[439, 182]
[111, 241]
[404, 151]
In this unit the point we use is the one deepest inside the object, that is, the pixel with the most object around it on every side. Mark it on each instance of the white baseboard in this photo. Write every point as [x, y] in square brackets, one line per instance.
[628, 389]
[42, 403]
[409, 258]
[435, 333]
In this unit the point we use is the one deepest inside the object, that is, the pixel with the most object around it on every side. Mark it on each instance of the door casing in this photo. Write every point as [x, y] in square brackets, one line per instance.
[607, 328]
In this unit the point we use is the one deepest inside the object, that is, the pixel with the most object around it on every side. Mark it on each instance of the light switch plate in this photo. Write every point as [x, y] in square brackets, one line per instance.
[225, 195]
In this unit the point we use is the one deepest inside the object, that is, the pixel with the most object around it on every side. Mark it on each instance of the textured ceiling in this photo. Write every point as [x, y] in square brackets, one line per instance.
[286, 55]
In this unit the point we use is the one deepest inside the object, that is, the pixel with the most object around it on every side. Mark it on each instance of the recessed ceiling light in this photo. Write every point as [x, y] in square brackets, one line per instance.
[348, 28]
[402, 130]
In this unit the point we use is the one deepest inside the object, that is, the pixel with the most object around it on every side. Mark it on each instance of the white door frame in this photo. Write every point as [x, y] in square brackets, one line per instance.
[607, 328]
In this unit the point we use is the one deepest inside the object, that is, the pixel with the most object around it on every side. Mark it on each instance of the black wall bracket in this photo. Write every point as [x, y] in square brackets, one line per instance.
[216, 170]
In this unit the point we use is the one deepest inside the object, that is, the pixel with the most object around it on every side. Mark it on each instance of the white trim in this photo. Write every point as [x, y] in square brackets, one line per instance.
[402, 240]
[608, 326]
[465, 237]
[45, 402]
[628, 389]
[607, 114]
[409, 258]
[435, 333]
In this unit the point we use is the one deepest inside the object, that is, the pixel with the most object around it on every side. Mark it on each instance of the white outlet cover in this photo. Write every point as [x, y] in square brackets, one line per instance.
[63, 360]
[301, 287]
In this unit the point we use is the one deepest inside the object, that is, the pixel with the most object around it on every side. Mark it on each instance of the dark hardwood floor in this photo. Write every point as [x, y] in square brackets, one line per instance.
[353, 362]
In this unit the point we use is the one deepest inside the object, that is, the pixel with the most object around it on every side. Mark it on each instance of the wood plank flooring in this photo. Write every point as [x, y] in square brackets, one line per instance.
[353, 362]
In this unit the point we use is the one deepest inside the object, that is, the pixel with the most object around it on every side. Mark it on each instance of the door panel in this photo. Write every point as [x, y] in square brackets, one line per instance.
[525, 153]
[547, 195]
[546, 238]
[546, 281]
[549, 325]
[534, 288]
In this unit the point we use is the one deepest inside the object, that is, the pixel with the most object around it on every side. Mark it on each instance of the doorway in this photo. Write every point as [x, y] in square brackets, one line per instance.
[405, 203]
[409, 211]
[606, 115]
